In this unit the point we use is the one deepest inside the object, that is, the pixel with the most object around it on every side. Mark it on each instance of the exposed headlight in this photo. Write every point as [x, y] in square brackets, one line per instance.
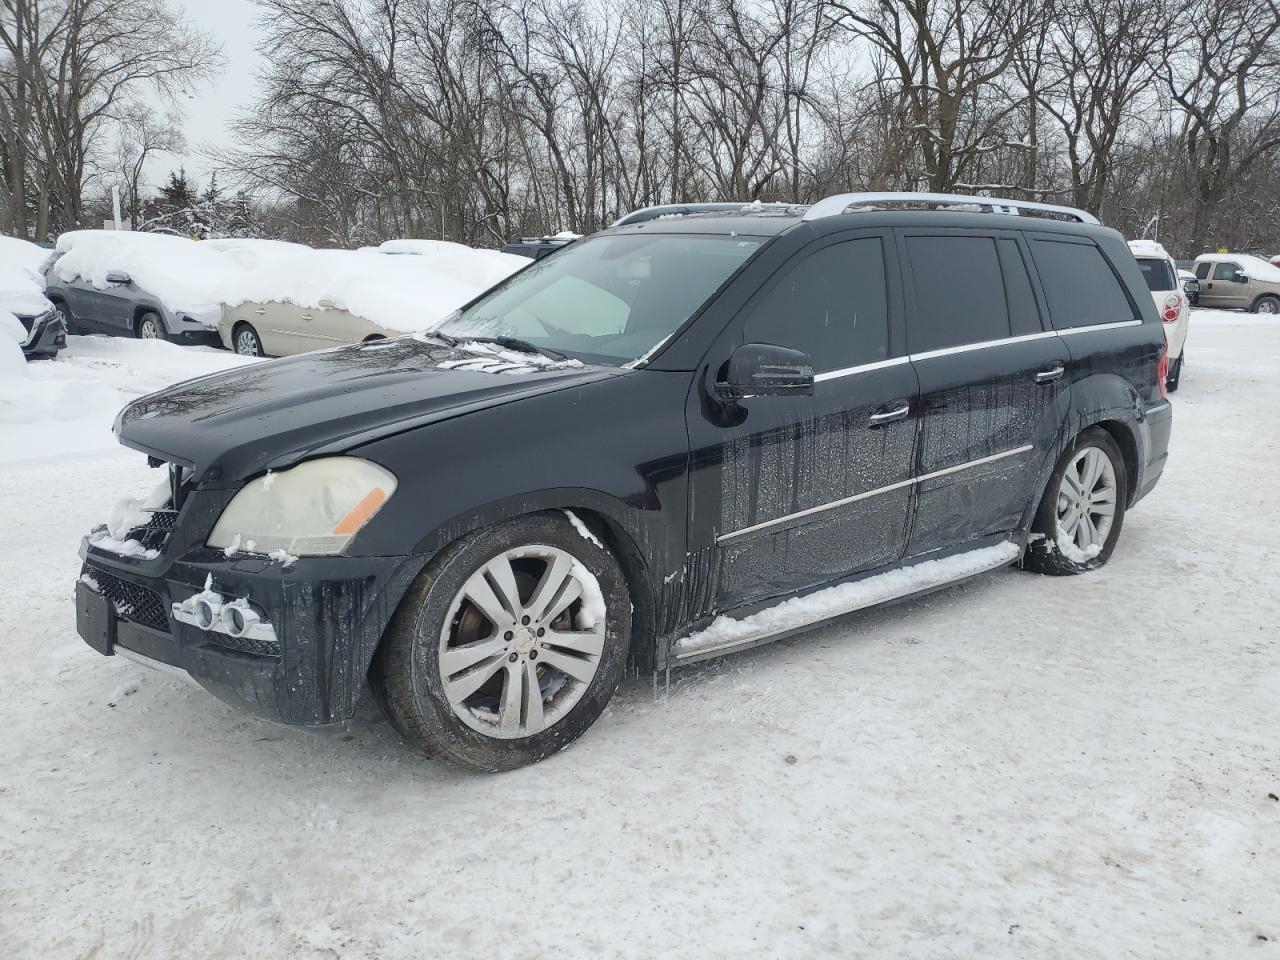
[313, 509]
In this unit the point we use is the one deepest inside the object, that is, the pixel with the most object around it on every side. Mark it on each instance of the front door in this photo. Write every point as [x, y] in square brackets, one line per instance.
[799, 491]
[992, 374]
[1219, 287]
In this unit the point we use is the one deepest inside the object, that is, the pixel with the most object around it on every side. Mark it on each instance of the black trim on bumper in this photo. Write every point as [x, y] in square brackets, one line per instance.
[328, 614]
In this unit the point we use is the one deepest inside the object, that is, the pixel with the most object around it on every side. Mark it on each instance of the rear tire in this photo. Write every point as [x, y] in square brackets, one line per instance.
[492, 688]
[1267, 304]
[245, 341]
[149, 327]
[1089, 486]
[1175, 374]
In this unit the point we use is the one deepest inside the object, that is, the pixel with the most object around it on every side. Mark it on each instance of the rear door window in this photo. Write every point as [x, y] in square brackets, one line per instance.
[1202, 270]
[1081, 287]
[1158, 274]
[833, 305]
[959, 292]
[1024, 315]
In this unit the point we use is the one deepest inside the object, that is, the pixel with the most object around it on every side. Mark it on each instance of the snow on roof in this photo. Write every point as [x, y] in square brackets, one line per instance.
[403, 293]
[1255, 267]
[185, 275]
[427, 248]
[1148, 248]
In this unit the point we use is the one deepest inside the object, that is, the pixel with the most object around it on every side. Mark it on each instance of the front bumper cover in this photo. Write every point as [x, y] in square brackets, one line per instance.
[327, 615]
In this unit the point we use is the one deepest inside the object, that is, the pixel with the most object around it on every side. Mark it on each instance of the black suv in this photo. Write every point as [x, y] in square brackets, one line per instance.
[632, 452]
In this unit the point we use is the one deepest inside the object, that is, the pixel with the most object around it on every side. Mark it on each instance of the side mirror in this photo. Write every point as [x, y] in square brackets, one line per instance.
[1239, 277]
[766, 370]
[118, 276]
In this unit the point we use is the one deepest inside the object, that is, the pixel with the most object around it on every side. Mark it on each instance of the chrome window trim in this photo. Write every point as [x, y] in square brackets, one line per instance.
[1099, 326]
[844, 501]
[860, 368]
[983, 345]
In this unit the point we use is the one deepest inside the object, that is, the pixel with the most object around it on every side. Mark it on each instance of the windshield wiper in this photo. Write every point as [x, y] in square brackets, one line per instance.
[524, 346]
[444, 338]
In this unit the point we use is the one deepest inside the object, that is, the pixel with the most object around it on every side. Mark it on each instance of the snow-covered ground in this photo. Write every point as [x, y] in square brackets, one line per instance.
[1019, 768]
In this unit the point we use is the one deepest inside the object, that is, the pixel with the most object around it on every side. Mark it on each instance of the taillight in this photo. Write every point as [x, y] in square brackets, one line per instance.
[1162, 369]
[1172, 304]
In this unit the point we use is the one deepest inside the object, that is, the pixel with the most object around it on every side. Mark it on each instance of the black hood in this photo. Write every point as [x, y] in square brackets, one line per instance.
[237, 423]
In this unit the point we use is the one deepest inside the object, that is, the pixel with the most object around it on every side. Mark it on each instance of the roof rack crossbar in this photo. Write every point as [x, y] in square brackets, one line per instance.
[838, 204]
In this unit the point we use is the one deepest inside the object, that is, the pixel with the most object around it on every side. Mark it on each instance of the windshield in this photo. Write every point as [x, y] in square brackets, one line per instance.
[1158, 274]
[608, 299]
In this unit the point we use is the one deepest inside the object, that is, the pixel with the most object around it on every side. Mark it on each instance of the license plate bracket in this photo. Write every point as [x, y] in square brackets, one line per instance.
[95, 619]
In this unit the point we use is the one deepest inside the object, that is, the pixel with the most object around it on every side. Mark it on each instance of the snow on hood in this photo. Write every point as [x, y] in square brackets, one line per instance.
[494, 358]
[185, 275]
[398, 293]
[21, 286]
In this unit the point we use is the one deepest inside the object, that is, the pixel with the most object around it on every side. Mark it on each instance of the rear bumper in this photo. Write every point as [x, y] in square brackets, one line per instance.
[326, 616]
[1158, 425]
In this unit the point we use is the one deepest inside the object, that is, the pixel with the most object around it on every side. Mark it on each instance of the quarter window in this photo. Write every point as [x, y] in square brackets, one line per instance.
[833, 305]
[959, 292]
[1158, 274]
[1080, 285]
[1226, 270]
[1202, 270]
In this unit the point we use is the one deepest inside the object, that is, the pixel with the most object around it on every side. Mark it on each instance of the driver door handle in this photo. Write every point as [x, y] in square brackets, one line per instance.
[890, 413]
[1053, 373]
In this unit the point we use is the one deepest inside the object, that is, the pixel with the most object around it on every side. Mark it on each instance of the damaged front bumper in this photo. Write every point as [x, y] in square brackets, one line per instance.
[290, 644]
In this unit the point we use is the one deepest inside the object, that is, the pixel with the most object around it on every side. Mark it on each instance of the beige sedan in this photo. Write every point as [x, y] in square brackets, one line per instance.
[280, 329]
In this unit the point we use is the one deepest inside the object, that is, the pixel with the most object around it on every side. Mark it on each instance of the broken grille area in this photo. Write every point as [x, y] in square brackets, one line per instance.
[132, 601]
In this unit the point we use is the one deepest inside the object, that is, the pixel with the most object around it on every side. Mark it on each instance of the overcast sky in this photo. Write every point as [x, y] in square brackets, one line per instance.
[209, 114]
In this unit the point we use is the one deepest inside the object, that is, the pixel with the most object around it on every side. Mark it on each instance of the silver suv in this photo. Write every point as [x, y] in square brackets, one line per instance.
[1237, 281]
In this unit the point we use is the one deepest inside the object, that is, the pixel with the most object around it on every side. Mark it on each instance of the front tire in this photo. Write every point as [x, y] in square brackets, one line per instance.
[149, 327]
[508, 646]
[1079, 519]
[1267, 304]
[246, 342]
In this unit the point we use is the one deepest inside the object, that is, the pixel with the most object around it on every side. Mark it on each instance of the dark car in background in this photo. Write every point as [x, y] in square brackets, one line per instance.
[535, 248]
[633, 453]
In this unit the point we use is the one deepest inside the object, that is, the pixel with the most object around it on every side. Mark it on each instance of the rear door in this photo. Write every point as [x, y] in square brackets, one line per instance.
[992, 383]
[799, 491]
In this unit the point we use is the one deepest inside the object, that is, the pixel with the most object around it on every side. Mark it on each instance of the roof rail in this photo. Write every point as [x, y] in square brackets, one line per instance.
[838, 204]
[686, 209]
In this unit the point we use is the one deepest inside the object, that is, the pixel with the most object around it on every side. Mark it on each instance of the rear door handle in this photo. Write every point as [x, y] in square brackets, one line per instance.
[890, 414]
[1053, 373]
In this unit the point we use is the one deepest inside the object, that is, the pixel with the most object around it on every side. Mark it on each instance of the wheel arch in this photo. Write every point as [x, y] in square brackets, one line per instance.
[1269, 295]
[602, 515]
[140, 310]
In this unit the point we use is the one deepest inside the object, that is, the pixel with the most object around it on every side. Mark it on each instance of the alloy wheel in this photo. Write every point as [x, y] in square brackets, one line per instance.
[149, 329]
[247, 344]
[1087, 500]
[522, 642]
[1269, 306]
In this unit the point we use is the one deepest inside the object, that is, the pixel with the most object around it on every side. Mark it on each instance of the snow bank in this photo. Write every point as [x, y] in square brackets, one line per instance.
[846, 598]
[21, 286]
[188, 276]
[67, 407]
